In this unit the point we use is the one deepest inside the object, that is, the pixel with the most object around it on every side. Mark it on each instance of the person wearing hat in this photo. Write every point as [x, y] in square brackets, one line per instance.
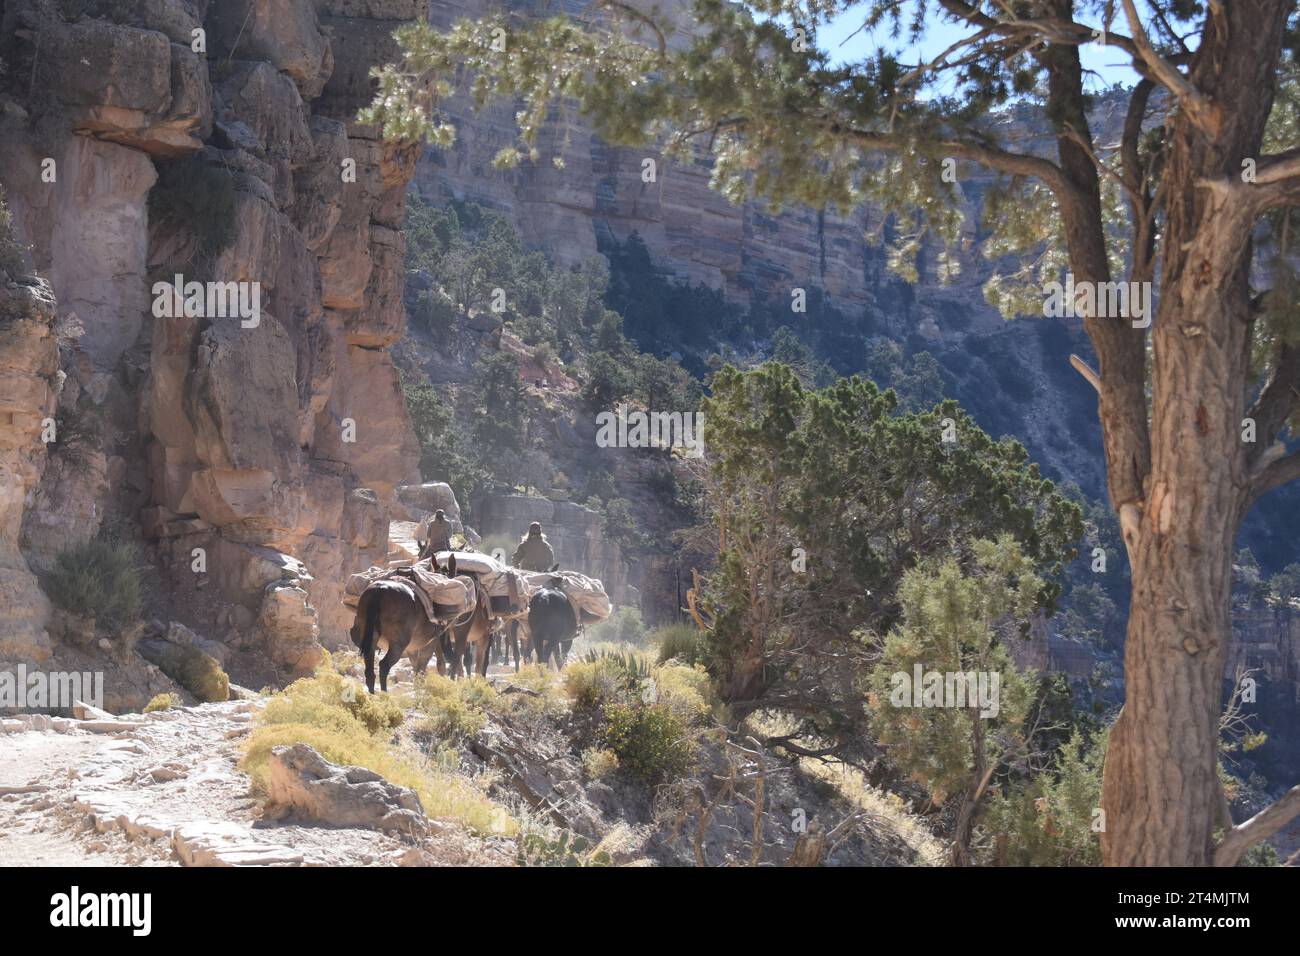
[534, 552]
[439, 535]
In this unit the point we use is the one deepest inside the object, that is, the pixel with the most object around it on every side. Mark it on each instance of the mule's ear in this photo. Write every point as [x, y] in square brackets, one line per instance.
[555, 567]
[451, 565]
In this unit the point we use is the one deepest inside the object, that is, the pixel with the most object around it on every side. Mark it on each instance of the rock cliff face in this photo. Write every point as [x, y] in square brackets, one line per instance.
[756, 256]
[215, 141]
[29, 381]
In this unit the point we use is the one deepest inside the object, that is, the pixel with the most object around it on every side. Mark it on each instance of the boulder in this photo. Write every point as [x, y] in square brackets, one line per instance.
[430, 497]
[288, 629]
[304, 784]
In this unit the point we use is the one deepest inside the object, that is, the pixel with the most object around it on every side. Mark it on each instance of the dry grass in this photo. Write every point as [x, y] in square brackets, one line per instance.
[887, 813]
[347, 726]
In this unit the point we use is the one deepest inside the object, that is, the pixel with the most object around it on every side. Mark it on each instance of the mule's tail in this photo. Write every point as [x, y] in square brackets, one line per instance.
[369, 608]
[372, 621]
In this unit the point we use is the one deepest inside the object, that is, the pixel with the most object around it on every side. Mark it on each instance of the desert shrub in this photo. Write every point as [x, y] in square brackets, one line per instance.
[642, 713]
[314, 700]
[454, 709]
[651, 743]
[1049, 821]
[622, 627]
[681, 642]
[199, 197]
[162, 702]
[99, 579]
[591, 682]
[317, 711]
[685, 691]
[77, 429]
[197, 672]
[598, 762]
[544, 695]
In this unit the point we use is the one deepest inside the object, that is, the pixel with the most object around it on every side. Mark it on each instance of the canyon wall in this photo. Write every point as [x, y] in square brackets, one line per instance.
[218, 142]
[756, 255]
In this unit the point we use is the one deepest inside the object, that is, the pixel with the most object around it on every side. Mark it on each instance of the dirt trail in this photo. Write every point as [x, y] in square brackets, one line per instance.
[165, 789]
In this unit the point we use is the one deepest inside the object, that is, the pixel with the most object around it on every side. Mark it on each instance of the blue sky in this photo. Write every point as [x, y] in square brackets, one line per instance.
[834, 38]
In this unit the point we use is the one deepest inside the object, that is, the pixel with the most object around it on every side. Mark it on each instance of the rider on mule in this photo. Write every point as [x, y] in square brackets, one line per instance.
[534, 552]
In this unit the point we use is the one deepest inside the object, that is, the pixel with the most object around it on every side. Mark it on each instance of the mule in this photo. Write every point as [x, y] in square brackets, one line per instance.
[552, 623]
[389, 612]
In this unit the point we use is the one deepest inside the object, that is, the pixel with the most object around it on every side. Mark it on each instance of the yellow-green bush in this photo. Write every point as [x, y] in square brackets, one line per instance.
[550, 699]
[162, 702]
[321, 699]
[589, 683]
[454, 711]
[685, 691]
[651, 743]
[199, 673]
[349, 727]
[598, 762]
[682, 642]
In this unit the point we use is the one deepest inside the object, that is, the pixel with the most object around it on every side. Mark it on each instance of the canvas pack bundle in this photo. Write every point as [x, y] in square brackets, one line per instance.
[507, 587]
[442, 597]
[586, 594]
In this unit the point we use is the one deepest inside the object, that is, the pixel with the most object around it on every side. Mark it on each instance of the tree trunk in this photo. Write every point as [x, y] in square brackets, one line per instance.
[1160, 792]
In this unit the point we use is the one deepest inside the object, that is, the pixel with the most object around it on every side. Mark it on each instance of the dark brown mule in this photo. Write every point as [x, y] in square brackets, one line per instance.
[389, 612]
[552, 623]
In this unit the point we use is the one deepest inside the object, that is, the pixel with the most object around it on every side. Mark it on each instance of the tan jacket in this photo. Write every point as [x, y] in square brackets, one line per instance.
[534, 554]
[438, 534]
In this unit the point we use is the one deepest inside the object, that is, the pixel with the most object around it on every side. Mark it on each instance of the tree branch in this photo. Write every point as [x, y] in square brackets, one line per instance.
[1277, 400]
[1203, 111]
[1281, 471]
[1261, 826]
[1086, 370]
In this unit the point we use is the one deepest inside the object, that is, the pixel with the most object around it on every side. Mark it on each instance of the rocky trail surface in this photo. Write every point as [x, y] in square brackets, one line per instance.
[165, 789]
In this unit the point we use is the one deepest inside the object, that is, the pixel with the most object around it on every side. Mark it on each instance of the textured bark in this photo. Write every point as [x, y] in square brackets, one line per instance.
[1160, 792]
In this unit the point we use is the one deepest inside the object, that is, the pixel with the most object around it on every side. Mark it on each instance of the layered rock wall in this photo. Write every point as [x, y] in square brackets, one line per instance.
[260, 455]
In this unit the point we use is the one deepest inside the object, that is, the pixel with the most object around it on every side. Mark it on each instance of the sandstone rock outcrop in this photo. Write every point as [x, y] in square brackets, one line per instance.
[303, 783]
[216, 142]
[29, 369]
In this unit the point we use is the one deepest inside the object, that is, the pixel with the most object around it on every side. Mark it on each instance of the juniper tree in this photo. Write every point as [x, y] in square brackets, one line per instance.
[821, 501]
[953, 731]
[1194, 196]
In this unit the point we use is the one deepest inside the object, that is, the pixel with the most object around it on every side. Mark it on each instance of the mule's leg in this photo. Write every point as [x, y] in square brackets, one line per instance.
[396, 648]
[457, 655]
[368, 652]
[563, 655]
